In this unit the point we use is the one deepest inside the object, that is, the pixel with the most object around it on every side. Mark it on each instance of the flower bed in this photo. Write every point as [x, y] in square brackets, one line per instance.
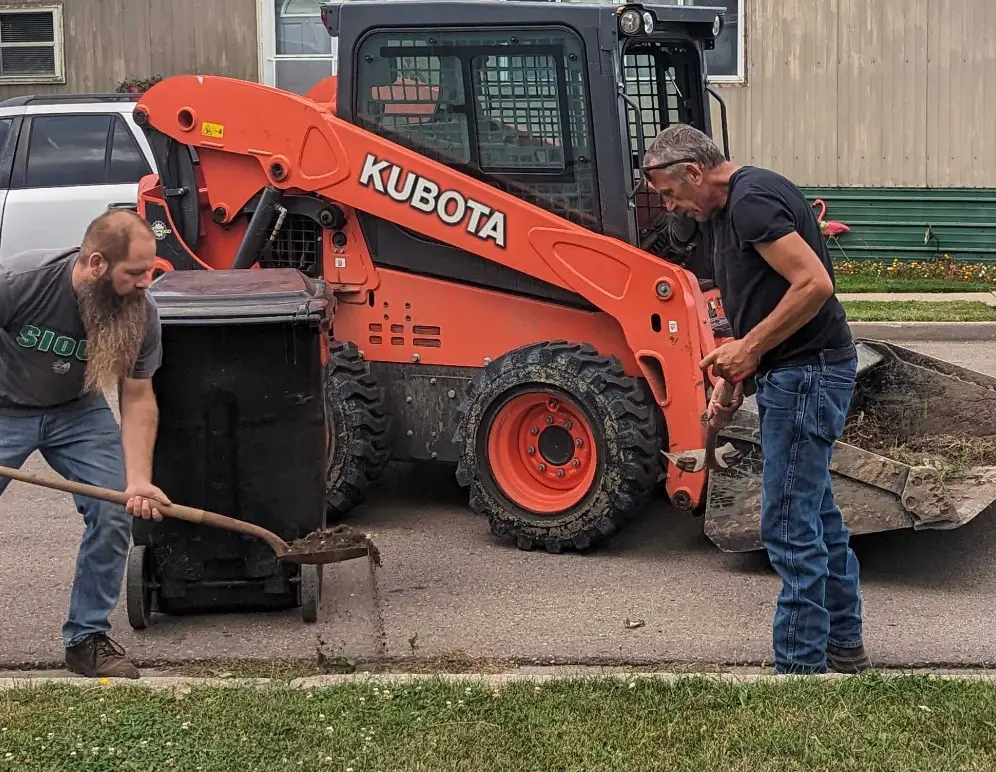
[942, 267]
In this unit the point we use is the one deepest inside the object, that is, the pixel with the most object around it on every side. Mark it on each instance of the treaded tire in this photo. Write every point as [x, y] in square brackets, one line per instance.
[360, 424]
[626, 425]
[139, 597]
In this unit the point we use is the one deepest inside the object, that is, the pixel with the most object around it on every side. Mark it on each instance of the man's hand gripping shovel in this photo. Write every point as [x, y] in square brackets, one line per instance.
[710, 456]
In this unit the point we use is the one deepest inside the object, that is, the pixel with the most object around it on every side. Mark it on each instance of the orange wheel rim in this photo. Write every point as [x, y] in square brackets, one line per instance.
[542, 452]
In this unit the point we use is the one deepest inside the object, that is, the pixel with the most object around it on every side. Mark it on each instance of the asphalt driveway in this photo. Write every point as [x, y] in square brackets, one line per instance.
[447, 587]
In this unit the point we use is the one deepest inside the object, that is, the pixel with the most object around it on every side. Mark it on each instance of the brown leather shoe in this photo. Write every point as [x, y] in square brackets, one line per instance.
[849, 660]
[99, 657]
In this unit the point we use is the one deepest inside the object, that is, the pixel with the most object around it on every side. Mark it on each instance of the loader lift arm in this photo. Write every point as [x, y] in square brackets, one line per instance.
[251, 139]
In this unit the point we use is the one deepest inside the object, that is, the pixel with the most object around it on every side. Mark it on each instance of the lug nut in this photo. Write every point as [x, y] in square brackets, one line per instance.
[531, 451]
[542, 467]
[579, 442]
[560, 473]
[534, 431]
[568, 424]
[549, 419]
[575, 463]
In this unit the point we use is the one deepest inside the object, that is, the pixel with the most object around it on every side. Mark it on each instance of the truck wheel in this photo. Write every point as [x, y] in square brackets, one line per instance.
[559, 447]
[358, 427]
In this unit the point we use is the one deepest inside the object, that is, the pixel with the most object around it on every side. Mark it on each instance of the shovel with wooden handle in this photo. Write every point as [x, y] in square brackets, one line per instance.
[323, 546]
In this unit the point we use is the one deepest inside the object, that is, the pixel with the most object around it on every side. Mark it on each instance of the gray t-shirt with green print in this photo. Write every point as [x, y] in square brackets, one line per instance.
[42, 339]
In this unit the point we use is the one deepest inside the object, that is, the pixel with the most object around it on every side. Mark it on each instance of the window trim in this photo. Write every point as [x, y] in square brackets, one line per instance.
[19, 176]
[59, 48]
[740, 78]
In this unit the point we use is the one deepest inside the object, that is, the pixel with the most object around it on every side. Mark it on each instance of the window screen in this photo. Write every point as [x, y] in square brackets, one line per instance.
[28, 43]
[654, 82]
[512, 113]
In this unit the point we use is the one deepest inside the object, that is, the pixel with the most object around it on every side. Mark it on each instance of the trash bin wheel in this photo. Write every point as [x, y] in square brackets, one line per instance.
[138, 587]
[311, 592]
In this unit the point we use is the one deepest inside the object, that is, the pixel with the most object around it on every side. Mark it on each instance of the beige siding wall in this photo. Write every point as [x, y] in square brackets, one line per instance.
[881, 93]
[107, 41]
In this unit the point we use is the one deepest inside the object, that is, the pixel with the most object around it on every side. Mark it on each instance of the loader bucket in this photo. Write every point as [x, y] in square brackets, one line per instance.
[919, 451]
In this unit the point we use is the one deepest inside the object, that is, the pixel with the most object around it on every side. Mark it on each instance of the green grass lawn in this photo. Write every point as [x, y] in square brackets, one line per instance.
[919, 311]
[882, 284]
[849, 725]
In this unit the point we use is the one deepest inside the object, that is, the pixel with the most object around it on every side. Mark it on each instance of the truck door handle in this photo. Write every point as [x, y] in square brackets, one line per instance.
[133, 206]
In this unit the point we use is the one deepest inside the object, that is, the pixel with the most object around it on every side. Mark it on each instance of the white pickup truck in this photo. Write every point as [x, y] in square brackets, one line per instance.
[64, 159]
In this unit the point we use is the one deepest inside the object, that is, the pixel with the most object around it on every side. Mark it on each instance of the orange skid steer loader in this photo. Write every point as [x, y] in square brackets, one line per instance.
[506, 295]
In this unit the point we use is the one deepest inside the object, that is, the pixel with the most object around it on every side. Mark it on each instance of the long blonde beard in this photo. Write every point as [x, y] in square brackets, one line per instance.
[115, 327]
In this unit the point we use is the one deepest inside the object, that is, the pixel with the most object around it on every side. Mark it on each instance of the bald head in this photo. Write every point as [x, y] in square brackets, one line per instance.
[114, 233]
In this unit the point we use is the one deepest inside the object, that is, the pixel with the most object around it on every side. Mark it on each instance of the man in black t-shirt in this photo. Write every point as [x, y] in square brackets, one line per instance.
[773, 269]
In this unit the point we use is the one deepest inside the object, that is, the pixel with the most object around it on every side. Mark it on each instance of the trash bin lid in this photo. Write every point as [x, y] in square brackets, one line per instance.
[240, 295]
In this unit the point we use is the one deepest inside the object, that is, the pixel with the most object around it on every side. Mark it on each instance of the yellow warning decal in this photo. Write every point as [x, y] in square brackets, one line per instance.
[215, 130]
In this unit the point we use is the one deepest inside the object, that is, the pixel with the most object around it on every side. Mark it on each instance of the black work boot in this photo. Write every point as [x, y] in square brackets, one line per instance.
[847, 660]
[97, 656]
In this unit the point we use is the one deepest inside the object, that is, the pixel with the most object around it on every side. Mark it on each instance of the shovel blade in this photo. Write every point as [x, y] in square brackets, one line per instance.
[331, 545]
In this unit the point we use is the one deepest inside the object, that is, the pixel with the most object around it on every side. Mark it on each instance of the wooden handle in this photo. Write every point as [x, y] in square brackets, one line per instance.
[725, 394]
[175, 511]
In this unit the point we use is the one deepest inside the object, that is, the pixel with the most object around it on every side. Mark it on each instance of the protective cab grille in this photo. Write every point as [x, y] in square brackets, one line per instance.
[298, 245]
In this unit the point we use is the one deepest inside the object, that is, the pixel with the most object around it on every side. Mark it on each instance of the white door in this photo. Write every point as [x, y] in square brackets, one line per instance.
[70, 167]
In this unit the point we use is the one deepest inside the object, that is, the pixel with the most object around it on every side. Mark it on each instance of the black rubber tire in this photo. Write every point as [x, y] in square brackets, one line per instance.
[310, 592]
[138, 595]
[358, 417]
[622, 415]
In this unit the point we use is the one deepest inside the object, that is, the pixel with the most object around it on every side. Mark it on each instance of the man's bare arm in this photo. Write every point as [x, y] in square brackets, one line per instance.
[810, 288]
[139, 422]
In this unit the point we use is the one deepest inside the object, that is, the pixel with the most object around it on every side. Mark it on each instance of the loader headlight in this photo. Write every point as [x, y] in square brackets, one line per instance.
[630, 21]
[648, 23]
[717, 26]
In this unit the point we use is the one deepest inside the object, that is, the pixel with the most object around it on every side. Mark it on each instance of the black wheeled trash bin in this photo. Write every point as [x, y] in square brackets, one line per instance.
[241, 432]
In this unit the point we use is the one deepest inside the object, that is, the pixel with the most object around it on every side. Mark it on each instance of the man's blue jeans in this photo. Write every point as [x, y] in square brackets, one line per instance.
[81, 444]
[802, 413]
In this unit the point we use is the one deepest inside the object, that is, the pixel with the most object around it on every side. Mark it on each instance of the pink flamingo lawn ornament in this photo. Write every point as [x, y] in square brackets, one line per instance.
[829, 228]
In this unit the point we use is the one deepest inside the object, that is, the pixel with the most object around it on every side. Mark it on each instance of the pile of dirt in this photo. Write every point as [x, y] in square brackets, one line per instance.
[952, 455]
[337, 539]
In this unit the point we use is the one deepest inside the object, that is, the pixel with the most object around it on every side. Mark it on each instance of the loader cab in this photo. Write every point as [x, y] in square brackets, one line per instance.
[553, 102]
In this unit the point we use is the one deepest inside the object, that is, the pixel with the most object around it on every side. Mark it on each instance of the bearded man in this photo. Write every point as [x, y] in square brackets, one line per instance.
[76, 324]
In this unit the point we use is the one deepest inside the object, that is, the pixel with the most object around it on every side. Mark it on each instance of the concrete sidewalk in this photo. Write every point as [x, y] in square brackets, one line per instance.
[903, 332]
[989, 298]
[494, 681]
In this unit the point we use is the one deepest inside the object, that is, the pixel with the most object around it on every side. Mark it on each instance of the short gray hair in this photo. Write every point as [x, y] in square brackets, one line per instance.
[682, 142]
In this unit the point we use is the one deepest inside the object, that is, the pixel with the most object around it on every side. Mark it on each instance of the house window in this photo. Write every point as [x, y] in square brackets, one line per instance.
[305, 52]
[726, 61]
[31, 44]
